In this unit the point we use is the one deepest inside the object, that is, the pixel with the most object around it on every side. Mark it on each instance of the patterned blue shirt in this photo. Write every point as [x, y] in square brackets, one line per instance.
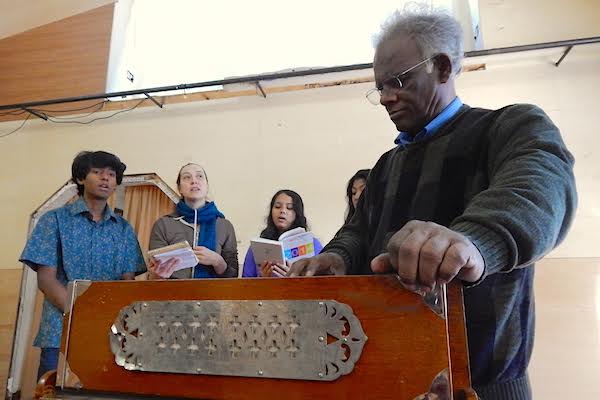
[68, 239]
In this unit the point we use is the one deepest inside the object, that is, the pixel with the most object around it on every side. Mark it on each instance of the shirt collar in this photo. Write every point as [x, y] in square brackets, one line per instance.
[433, 126]
[80, 207]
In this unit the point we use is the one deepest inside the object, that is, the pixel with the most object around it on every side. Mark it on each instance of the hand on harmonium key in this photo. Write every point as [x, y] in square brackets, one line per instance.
[425, 254]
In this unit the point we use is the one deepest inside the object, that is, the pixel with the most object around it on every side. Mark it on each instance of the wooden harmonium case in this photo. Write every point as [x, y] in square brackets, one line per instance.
[295, 338]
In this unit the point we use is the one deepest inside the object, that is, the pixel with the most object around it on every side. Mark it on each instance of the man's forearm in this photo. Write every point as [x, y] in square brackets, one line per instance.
[347, 247]
[55, 292]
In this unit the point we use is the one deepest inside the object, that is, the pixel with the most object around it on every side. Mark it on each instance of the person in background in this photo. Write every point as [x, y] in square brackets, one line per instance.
[468, 194]
[82, 240]
[286, 212]
[355, 187]
[199, 222]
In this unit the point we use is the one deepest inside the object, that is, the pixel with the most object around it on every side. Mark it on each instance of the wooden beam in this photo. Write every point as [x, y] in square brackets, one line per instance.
[64, 58]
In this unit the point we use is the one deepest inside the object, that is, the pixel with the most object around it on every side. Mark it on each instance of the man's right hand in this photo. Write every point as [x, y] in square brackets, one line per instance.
[161, 270]
[322, 264]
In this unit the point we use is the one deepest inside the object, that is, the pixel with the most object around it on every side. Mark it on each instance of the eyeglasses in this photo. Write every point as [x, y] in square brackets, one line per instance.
[391, 83]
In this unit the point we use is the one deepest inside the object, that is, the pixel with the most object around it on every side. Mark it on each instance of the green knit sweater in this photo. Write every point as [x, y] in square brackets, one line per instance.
[504, 179]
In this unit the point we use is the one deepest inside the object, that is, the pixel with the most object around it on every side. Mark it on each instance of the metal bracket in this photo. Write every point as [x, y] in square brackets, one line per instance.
[65, 377]
[74, 290]
[440, 388]
[567, 50]
[288, 339]
[260, 89]
[37, 114]
[154, 100]
[436, 300]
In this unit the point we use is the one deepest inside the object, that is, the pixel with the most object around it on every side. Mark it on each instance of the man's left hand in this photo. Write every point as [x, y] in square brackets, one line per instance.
[425, 254]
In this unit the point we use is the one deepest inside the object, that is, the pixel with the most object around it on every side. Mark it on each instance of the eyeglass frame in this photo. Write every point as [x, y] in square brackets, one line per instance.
[392, 78]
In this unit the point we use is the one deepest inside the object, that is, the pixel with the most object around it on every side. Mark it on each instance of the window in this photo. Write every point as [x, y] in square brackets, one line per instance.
[160, 43]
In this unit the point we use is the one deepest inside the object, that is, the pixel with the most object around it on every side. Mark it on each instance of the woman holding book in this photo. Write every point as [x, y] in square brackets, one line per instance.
[199, 222]
[286, 212]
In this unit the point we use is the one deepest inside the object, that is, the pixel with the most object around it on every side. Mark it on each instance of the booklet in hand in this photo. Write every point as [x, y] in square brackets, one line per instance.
[182, 251]
[291, 246]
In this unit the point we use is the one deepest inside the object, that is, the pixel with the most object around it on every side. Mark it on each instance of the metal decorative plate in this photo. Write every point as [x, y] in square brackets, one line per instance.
[292, 339]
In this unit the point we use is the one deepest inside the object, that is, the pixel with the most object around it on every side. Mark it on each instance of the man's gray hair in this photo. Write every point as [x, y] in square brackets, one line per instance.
[433, 30]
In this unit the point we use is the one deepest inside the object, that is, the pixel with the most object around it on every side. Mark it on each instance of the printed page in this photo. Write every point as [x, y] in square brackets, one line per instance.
[299, 246]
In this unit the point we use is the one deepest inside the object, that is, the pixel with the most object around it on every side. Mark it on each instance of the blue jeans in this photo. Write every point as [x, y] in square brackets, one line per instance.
[48, 360]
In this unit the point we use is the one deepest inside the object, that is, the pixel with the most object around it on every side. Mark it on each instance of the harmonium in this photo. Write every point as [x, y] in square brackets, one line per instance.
[363, 337]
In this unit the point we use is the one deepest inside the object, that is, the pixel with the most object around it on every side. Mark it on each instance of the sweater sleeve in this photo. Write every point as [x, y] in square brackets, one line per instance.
[158, 237]
[250, 269]
[351, 242]
[229, 252]
[528, 206]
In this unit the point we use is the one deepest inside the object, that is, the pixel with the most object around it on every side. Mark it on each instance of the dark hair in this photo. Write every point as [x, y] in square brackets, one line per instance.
[360, 174]
[271, 231]
[86, 160]
[190, 163]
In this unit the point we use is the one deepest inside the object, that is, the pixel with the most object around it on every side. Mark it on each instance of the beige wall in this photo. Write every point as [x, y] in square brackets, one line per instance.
[566, 354]
[516, 22]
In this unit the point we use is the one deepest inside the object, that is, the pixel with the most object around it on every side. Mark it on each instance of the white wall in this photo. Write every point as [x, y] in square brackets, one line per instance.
[517, 22]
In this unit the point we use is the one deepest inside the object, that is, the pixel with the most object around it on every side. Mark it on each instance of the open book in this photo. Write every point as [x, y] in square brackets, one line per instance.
[291, 246]
[182, 250]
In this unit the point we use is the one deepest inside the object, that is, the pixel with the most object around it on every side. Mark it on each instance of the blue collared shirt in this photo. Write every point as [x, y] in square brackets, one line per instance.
[79, 248]
[433, 126]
